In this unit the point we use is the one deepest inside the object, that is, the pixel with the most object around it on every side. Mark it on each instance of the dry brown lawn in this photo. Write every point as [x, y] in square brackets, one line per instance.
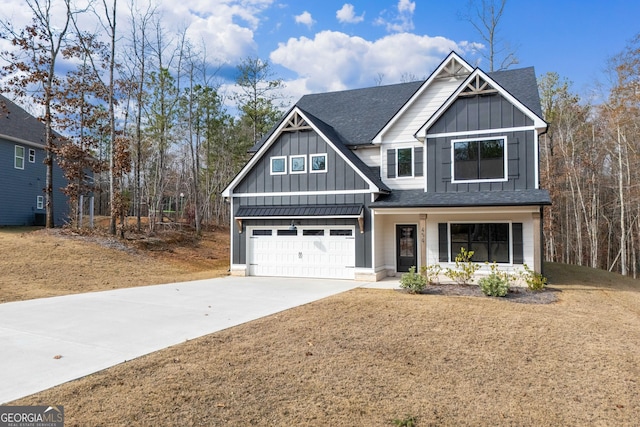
[372, 357]
[38, 263]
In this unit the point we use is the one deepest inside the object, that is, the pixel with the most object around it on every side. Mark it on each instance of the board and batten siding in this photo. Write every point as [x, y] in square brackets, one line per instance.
[480, 113]
[520, 164]
[339, 176]
[469, 114]
[20, 188]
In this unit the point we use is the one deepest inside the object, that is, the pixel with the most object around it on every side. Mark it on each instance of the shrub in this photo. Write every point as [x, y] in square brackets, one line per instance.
[465, 268]
[494, 285]
[408, 421]
[431, 272]
[535, 281]
[413, 282]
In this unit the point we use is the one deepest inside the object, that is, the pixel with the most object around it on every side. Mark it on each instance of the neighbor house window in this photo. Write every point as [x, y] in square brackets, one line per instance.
[405, 162]
[488, 241]
[40, 202]
[318, 163]
[479, 159]
[298, 164]
[19, 157]
[279, 165]
[32, 155]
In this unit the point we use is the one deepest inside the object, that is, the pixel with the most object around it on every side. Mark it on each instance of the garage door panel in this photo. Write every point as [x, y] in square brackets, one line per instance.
[326, 256]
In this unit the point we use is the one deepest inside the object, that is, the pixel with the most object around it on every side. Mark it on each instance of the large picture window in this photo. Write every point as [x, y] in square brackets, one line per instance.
[488, 241]
[479, 159]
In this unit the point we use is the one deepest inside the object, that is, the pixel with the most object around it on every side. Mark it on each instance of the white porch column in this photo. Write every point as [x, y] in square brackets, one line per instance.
[537, 242]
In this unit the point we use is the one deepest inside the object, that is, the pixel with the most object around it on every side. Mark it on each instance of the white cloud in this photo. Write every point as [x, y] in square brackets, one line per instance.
[305, 19]
[406, 6]
[336, 61]
[347, 15]
[400, 22]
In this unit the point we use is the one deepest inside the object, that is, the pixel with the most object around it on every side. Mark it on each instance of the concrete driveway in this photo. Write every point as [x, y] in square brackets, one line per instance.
[46, 342]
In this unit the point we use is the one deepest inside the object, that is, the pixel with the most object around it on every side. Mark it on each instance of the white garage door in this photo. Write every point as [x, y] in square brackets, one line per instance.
[323, 252]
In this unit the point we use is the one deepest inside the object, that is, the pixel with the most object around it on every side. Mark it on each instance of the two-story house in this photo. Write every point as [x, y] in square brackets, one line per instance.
[22, 171]
[363, 184]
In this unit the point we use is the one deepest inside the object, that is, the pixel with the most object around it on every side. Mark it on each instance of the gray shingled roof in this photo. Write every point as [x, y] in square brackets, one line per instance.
[418, 198]
[17, 123]
[358, 115]
[522, 84]
[330, 133]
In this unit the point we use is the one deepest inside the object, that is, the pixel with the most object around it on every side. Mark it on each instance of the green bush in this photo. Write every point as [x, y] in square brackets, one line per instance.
[494, 285]
[413, 282]
[465, 268]
[431, 272]
[535, 281]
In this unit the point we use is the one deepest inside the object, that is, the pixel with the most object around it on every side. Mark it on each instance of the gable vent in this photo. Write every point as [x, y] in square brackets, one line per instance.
[296, 123]
[478, 86]
[453, 70]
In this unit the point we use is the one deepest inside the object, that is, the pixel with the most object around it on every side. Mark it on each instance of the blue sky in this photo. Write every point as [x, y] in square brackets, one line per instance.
[333, 45]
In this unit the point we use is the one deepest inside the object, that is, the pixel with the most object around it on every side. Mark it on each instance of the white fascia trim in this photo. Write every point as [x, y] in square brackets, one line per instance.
[536, 158]
[21, 141]
[455, 211]
[302, 193]
[481, 132]
[538, 123]
[378, 138]
[231, 221]
[228, 191]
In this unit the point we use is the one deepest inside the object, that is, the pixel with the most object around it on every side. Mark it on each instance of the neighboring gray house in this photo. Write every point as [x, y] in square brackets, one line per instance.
[363, 184]
[22, 171]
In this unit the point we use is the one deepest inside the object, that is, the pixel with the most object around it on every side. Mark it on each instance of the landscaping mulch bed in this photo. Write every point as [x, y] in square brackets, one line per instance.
[516, 294]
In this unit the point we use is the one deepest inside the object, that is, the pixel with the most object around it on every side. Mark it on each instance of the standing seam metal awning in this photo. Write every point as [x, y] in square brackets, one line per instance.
[336, 211]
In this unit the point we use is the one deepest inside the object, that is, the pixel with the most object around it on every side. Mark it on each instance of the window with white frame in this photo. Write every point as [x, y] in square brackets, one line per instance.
[279, 165]
[19, 157]
[32, 155]
[404, 162]
[481, 159]
[318, 162]
[298, 164]
[40, 203]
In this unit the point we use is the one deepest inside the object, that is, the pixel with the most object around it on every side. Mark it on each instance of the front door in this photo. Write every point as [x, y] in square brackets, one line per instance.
[406, 247]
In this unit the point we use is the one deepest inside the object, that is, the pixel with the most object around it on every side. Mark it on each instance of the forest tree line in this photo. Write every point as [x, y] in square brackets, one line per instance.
[145, 113]
[137, 118]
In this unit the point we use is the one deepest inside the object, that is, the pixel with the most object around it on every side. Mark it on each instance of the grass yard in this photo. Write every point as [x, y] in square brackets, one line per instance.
[365, 357]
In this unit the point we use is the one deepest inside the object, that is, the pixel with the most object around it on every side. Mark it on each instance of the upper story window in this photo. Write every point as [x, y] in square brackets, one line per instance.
[479, 159]
[298, 164]
[279, 165]
[318, 163]
[32, 155]
[40, 202]
[18, 162]
[405, 162]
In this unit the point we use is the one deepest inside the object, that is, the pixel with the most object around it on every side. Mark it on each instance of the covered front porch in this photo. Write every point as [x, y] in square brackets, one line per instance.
[402, 238]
